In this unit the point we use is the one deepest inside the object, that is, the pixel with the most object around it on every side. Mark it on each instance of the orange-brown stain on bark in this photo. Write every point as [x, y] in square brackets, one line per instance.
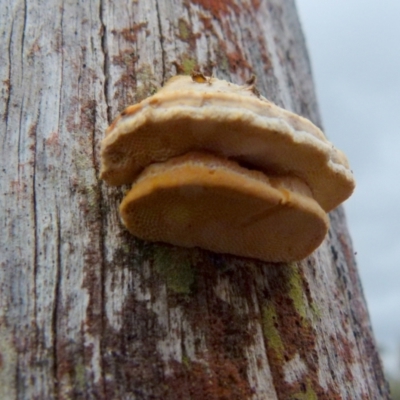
[124, 87]
[237, 61]
[296, 335]
[81, 117]
[226, 334]
[130, 34]
[256, 4]
[130, 357]
[219, 379]
[218, 8]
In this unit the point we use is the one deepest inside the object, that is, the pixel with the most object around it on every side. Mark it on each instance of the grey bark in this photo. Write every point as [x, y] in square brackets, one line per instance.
[89, 312]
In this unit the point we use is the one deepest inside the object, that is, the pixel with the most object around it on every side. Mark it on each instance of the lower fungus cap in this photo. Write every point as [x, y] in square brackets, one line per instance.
[205, 201]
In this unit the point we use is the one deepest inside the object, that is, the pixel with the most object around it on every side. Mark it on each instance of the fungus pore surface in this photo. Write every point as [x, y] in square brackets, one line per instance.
[215, 165]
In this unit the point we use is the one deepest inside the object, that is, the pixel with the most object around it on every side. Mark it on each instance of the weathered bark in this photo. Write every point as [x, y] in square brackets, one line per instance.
[88, 311]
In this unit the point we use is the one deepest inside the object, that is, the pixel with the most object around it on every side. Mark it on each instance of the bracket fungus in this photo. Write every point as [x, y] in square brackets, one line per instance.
[218, 166]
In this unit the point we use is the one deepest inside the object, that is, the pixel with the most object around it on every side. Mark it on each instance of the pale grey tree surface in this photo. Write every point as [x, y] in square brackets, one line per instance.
[89, 312]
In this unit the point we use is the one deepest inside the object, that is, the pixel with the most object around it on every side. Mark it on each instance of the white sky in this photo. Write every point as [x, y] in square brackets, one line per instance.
[354, 46]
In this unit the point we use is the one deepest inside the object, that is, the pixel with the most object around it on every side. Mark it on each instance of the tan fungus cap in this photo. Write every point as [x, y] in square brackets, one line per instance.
[202, 200]
[228, 120]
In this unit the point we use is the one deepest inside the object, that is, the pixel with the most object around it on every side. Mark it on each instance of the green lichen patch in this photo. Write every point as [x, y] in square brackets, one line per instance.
[186, 34]
[80, 376]
[188, 65]
[186, 361]
[270, 330]
[175, 267]
[184, 29]
[309, 393]
[295, 291]
[316, 311]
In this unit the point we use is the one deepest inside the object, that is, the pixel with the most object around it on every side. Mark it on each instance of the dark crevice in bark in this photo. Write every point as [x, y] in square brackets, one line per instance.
[55, 315]
[106, 64]
[35, 230]
[7, 107]
[20, 133]
[57, 287]
[102, 288]
[95, 161]
[102, 217]
[102, 229]
[23, 36]
[61, 70]
[161, 41]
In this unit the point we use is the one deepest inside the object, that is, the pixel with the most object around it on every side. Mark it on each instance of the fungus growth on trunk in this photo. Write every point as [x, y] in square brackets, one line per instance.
[218, 166]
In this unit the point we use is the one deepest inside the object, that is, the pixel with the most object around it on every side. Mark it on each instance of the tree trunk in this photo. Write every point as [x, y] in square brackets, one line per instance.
[87, 311]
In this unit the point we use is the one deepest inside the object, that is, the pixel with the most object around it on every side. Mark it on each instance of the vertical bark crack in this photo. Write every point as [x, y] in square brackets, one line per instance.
[7, 107]
[161, 41]
[23, 36]
[106, 64]
[57, 287]
[20, 138]
[57, 290]
[36, 227]
[106, 72]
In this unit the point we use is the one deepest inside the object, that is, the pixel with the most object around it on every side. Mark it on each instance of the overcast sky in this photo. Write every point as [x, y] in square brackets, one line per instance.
[354, 47]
